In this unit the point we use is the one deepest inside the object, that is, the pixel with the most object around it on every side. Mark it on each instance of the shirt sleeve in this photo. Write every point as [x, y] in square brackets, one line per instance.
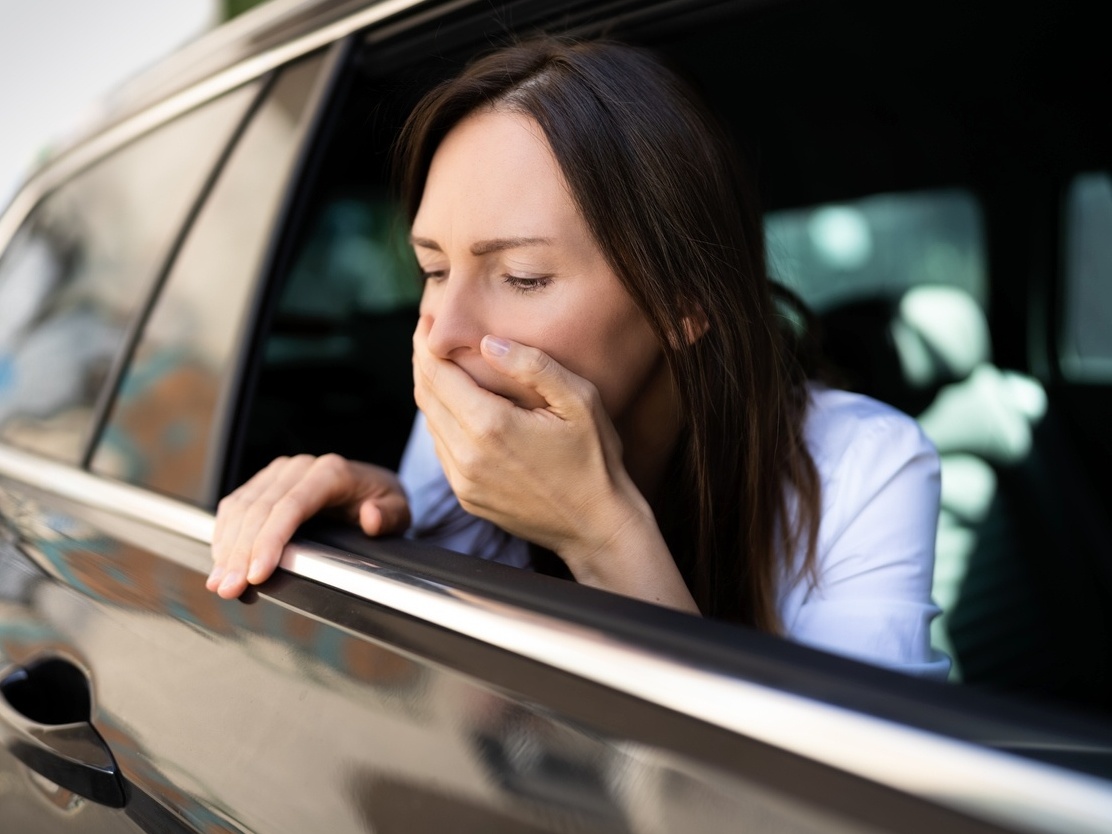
[872, 598]
[437, 515]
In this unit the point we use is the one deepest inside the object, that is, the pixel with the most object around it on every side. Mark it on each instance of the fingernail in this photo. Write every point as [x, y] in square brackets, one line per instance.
[230, 581]
[254, 574]
[496, 346]
[214, 577]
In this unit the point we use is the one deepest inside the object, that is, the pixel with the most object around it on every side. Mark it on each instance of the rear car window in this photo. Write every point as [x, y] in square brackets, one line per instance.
[882, 244]
[81, 267]
[162, 430]
[1086, 345]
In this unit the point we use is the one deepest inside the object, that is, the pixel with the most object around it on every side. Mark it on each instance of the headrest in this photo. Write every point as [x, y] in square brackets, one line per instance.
[902, 349]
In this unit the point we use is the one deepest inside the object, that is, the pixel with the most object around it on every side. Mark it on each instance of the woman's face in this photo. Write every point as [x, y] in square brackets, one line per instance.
[506, 253]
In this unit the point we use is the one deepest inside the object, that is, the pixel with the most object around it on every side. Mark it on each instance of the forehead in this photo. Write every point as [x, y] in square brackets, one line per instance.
[495, 174]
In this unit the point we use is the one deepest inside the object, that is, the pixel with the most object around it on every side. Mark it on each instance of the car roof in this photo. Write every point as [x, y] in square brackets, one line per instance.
[265, 31]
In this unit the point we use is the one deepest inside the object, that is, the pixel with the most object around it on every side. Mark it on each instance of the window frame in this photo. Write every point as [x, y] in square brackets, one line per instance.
[1070, 366]
[226, 405]
[49, 181]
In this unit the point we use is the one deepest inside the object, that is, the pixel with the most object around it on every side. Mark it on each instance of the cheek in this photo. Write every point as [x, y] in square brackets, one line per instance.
[617, 353]
[628, 367]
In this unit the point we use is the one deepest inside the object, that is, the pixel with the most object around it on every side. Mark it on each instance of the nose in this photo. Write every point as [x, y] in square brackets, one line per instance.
[457, 317]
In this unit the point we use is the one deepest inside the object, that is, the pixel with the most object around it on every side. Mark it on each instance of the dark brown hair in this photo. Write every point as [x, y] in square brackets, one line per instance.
[661, 190]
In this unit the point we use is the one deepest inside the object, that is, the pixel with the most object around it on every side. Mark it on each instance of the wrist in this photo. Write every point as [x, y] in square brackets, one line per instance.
[628, 555]
[619, 516]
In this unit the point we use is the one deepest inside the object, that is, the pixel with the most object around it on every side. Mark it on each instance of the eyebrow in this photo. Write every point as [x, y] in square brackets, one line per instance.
[486, 247]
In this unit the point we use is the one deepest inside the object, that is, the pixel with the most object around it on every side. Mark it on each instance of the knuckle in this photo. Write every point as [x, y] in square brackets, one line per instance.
[587, 392]
[332, 464]
[288, 505]
[275, 468]
[268, 548]
[470, 464]
[488, 428]
[537, 363]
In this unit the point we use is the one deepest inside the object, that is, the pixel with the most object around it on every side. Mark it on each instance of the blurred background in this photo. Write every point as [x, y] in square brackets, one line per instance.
[59, 58]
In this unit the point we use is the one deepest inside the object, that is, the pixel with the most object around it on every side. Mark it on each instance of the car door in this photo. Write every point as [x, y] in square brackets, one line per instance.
[197, 246]
[74, 281]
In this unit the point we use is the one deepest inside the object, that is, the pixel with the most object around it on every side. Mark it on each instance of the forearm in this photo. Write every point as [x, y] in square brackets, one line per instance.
[634, 561]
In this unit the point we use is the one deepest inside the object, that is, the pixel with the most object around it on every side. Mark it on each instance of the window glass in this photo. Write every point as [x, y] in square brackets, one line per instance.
[81, 266]
[334, 371]
[1086, 346]
[882, 244]
[161, 432]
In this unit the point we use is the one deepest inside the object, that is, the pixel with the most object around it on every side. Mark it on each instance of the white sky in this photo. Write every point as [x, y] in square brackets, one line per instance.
[57, 57]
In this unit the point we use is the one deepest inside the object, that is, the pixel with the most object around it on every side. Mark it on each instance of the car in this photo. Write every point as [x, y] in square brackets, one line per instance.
[216, 274]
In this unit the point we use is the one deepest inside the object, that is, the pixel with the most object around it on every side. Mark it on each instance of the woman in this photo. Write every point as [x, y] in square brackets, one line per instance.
[601, 373]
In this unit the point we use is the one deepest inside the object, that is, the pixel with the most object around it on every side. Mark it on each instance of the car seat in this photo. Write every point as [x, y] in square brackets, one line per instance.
[1015, 578]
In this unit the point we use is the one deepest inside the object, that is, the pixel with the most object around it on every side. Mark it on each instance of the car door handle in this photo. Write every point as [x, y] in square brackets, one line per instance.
[45, 710]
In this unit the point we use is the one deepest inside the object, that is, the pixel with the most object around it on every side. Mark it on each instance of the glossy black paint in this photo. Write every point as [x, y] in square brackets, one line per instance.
[374, 710]
[44, 709]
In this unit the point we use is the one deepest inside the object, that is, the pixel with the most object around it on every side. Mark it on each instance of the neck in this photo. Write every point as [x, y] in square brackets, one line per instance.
[649, 430]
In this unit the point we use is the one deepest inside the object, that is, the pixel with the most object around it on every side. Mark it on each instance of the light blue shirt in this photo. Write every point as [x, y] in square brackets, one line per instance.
[875, 558]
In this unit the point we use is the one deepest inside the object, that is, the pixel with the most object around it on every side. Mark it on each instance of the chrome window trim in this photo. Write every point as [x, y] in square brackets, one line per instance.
[100, 493]
[247, 70]
[976, 780]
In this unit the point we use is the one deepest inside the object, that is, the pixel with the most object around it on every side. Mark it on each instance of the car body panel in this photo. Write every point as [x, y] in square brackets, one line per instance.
[364, 702]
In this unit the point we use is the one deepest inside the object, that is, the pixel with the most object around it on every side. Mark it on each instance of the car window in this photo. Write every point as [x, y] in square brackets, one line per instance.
[899, 278]
[340, 329]
[882, 244]
[1086, 345]
[162, 430]
[81, 267]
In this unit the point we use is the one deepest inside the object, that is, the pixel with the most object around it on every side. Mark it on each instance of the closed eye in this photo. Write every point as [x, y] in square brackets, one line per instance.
[527, 284]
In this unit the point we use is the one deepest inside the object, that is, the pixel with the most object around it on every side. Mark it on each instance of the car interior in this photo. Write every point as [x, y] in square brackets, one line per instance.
[920, 167]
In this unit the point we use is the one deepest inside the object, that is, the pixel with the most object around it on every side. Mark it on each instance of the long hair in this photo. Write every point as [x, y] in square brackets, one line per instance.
[661, 190]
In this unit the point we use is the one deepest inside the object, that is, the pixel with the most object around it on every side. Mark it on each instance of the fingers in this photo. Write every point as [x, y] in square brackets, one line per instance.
[457, 409]
[255, 522]
[240, 507]
[444, 379]
[565, 392]
[385, 515]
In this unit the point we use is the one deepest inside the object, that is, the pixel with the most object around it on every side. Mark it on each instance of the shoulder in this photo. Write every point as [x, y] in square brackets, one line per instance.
[871, 459]
[880, 484]
[843, 429]
[860, 447]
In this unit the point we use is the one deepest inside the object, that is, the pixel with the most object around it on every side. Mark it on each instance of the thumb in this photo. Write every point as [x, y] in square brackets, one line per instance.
[384, 515]
[563, 390]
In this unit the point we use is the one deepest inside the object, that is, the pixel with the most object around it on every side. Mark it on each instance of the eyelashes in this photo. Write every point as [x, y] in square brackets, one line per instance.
[524, 284]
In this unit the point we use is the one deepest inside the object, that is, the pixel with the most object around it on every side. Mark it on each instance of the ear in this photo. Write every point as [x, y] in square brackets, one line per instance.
[695, 322]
